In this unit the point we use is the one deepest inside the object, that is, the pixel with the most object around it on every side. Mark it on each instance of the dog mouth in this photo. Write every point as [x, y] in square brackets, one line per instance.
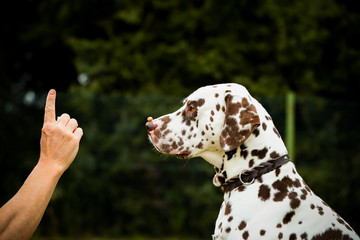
[183, 155]
[159, 148]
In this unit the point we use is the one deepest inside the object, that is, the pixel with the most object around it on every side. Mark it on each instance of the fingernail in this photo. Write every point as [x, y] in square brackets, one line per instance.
[52, 92]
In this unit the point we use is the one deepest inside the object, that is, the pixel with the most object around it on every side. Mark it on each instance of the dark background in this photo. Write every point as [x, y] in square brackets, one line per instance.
[113, 63]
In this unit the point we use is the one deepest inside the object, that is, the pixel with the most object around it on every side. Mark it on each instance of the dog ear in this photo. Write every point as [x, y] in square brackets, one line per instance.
[241, 119]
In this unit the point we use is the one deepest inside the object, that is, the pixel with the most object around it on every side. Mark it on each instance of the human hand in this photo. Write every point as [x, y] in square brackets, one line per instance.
[59, 138]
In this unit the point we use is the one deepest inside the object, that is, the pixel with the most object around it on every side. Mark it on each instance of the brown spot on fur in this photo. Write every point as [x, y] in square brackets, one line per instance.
[277, 172]
[245, 102]
[256, 132]
[230, 134]
[280, 236]
[248, 116]
[199, 146]
[264, 126]
[251, 163]
[242, 225]
[227, 208]
[274, 155]
[303, 236]
[282, 187]
[268, 118]
[244, 153]
[292, 236]
[245, 235]
[217, 107]
[181, 142]
[287, 217]
[166, 120]
[343, 223]
[331, 234]
[174, 145]
[340, 221]
[320, 210]
[232, 108]
[166, 148]
[200, 102]
[294, 201]
[234, 133]
[304, 194]
[276, 132]
[157, 133]
[259, 153]
[264, 192]
[166, 132]
[231, 153]
[187, 118]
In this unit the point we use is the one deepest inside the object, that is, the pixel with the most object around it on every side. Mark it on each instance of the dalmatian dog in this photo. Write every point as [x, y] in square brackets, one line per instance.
[264, 196]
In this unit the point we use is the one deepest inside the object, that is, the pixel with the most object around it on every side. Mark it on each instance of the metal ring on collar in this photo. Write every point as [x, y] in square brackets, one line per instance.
[245, 183]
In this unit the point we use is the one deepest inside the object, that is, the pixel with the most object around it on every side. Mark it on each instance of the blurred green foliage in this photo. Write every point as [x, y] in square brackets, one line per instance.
[114, 63]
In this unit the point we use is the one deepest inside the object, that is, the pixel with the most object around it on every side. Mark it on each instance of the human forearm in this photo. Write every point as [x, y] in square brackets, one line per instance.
[25, 210]
[59, 145]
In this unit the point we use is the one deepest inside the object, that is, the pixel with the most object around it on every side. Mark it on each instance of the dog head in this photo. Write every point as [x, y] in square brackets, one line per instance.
[216, 118]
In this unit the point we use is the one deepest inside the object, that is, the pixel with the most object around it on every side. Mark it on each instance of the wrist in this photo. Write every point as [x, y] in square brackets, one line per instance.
[50, 167]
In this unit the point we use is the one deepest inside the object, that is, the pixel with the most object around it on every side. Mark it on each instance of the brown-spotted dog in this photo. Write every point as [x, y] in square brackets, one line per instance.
[264, 196]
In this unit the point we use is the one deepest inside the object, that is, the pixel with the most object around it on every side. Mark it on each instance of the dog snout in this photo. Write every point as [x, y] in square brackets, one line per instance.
[150, 125]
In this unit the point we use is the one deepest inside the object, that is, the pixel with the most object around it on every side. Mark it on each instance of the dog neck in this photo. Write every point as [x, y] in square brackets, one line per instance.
[264, 144]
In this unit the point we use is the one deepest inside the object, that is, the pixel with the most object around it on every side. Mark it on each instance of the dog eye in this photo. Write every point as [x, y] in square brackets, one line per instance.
[191, 108]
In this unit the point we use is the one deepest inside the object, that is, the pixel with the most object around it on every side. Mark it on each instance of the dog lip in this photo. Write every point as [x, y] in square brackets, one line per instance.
[183, 155]
[153, 139]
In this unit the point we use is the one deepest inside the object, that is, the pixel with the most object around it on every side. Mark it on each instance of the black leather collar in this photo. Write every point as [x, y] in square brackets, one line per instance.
[247, 177]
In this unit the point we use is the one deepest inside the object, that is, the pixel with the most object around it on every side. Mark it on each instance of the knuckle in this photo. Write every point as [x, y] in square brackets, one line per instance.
[49, 107]
[65, 115]
[74, 121]
[47, 127]
[74, 140]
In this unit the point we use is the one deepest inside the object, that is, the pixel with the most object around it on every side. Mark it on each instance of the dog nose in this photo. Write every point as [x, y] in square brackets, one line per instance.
[150, 126]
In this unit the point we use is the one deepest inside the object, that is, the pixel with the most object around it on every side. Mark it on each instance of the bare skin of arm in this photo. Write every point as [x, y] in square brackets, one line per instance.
[59, 144]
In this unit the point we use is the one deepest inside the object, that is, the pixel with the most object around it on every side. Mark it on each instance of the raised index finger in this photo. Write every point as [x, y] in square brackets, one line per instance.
[50, 107]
